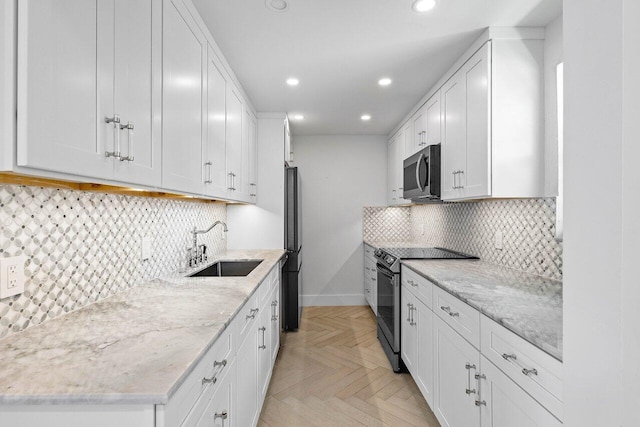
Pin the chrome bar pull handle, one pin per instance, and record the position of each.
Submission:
(453, 314)
(446, 309)
(264, 344)
(528, 372)
(413, 322)
(480, 403)
(129, 128)
(207, 167)
(116, 136)
(409, 314)
(506, 356)
(211, 380)
(222, 363)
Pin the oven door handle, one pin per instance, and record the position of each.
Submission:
(384, 271)
(418, 165)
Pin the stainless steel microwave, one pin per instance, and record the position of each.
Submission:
(422, 175)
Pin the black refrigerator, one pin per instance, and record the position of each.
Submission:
(292, 270)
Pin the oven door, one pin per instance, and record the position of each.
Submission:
(389, 305)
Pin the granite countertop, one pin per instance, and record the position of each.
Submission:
(526, 304)
(136, 347)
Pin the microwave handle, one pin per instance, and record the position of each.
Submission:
(418, 172)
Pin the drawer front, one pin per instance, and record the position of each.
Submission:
(536, 372)
(264, 290)
(191, 398)
(247, 316)
(463, 318)
(421, 287)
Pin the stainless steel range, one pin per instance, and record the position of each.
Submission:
(388, 266)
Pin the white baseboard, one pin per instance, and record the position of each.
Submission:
(333, 300)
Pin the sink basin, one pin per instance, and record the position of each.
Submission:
(228, 268)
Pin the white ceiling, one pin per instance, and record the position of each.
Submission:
(340, 48)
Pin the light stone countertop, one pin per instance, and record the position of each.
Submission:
(526, 304)
(136, 347)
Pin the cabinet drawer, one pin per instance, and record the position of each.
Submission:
(420, 286)
(265, 288)
(190, 399)
(247, 316)
(463, 318)
(535, 371)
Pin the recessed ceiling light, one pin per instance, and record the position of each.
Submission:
(298, 117)
(276, 5)
(384, 81)
(365, 117)
(293, 81)
(421, 6)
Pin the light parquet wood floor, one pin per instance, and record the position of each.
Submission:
(333, 372)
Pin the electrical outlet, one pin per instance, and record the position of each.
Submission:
(498, 240)
(11, 276)
(145, 249)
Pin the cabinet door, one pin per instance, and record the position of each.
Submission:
(404, 147)
(457, 362)
(419, 125)
(253, 158)
(138, 85)
(263, 329)
(408, 335)
(506, 404)
(247, 381)
(433, 119)
(214, 152)
(243, 187)
(65, 86)
(424, 360)
(221, 407)
(476, 176)
(391, 170)
(184, 65)
(454, 137)
(274, 333)
(234, 141)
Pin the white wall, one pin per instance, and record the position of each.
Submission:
(602, 281)
(552, 57)
(339, 175)
(261, 226)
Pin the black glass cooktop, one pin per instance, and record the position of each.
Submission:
(425, 253)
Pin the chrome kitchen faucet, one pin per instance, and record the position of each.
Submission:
(198, 254)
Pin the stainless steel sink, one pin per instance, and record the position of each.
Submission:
(228, 268)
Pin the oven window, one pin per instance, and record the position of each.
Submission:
(386, 300)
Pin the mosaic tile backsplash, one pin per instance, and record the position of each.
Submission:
(389, 224)
(85, 246)
(528, 227)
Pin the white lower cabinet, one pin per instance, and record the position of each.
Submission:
(457, 362)
(247, 381)
(471, 370)
(504, 404)
(370, 279)
(220, 411)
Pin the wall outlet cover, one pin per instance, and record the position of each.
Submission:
(12, 276)
(145, 249)
(498, 240)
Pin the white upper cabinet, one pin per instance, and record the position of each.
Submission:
(184, 104)
(466, 169)
(288, 148)
(434, 120)
(487, 112)
(214, 149)
(493, 139)
(88, 108)
(252, 173)
(419, 127)
(234, 142)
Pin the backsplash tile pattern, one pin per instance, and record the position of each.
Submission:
(528, 227)
(85, 246)
(390, 224)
